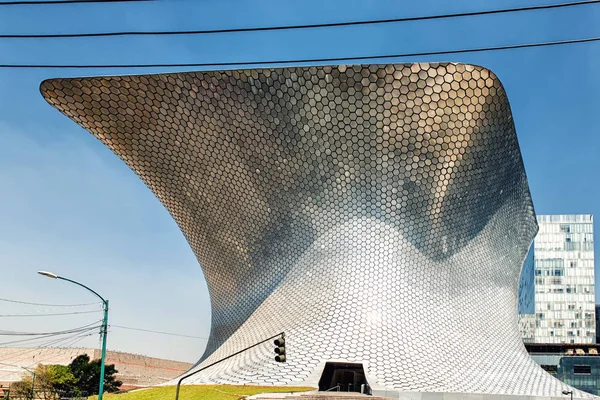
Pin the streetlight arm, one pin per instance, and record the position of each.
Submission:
(104, 325)
(104, 331)
(18, 366)
(83, 286)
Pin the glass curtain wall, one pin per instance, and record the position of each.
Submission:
(564, 279)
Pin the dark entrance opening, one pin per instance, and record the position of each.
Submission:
(343, 377)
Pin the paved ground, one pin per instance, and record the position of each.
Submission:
(313, 396)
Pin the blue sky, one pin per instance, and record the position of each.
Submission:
(70, 206)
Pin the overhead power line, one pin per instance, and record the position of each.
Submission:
(16, 333)
(50, 305)
(45, 337)
(74, 340)
(48, 314)
(25, 351)
(303, 60)
(55, 2)
(159, 332)
(295, 27)
(64, 342)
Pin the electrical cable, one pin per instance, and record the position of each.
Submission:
(67, 343)
(56, 343)
(94, 325)
(47, 315)
(159, 332)
(34, 350)
(305, 60)
(54, 2)
(29, 350)
(76, 340)
(50, 305)
(16, 333)
(2, 344)
(44, 337)
(53, 342)
(298, 27)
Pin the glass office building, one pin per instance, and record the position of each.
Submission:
(597, 327)
(582, 372)
(577, 365)
(564, 279)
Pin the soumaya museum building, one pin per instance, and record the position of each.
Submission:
(379, 215)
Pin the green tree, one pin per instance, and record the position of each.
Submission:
(62, 380)
(21, 389)
(81, 377)
(50, 382)
(87, 375)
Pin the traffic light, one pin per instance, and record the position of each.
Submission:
(280, 349)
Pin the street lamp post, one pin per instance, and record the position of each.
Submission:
(32, 379)
(32, 383)
(566, 392)
(104, 325)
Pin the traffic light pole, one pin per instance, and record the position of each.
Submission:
(282, 334)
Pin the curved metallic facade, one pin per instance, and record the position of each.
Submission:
(375, 213)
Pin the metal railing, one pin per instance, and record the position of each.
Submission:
(338, 387)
